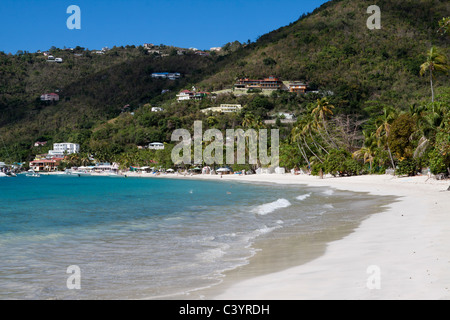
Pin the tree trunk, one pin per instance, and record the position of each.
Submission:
(304, 154)
(432, 90)
(304, 140)
(390, 155)
(318, 144)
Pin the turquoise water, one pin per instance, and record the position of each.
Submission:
(141, 238)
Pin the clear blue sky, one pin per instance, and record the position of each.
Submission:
(33, 25)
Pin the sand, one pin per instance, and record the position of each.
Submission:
(401, 253)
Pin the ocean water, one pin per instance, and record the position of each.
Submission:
(146, 238)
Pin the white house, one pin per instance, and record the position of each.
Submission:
(59, 60)
(65, 148)
(166, 75)
(157, 109)
(185, 95)
(156, 146)
(224, 108)
(50, 97)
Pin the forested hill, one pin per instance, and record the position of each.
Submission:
(331, 48)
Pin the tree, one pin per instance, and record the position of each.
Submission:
(368, 151)
(383, 124)
(436, 62)
(400, 135)
(321, 111)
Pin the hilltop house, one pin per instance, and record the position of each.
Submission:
(50, 97)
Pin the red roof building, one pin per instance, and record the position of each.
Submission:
(270, 83)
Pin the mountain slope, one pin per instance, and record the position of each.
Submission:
(331, 48)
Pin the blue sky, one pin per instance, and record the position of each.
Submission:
(33, 25)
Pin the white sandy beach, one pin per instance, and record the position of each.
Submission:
(409, 244)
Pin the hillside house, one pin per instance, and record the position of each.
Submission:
(40, 144)
(166, 75)
(65, 148)
(298, 87)
(224, 108)
(271, 83)
(156, 146)
(50, 97)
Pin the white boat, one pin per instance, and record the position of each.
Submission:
(2, 175)
(32, 174)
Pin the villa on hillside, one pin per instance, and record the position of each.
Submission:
(187, 95)
(224, 108)
(40, 143)
(271, 83)
(166, 75)
(50, 97)
(62, 149)
(156, 146)
(297, 86)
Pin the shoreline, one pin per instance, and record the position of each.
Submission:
(407, 243)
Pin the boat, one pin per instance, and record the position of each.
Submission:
(32, 174)
(2, 175)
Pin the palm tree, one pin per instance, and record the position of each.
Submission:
(369, 150)
(321, 111)
(383, 124)
(297, 136)
(305, 127)
(436, 62)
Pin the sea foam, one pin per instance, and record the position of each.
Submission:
(271, 207)
(303, 196)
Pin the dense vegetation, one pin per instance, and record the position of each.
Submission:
(383, 95)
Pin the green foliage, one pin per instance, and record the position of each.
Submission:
(338, 163)
(438, 163)
(407, 167)
(400, 136)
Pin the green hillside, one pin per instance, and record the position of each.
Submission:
(361, 73)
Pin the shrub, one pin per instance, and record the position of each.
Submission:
(407, 167)
(437, 163)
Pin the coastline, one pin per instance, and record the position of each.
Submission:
(408, 243)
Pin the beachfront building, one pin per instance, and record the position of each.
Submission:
(271, 83)
(224, 108)
(156, 146)
(298, 87)
(63, 149)
(45, 165)
(166, 75)
(50, 97)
